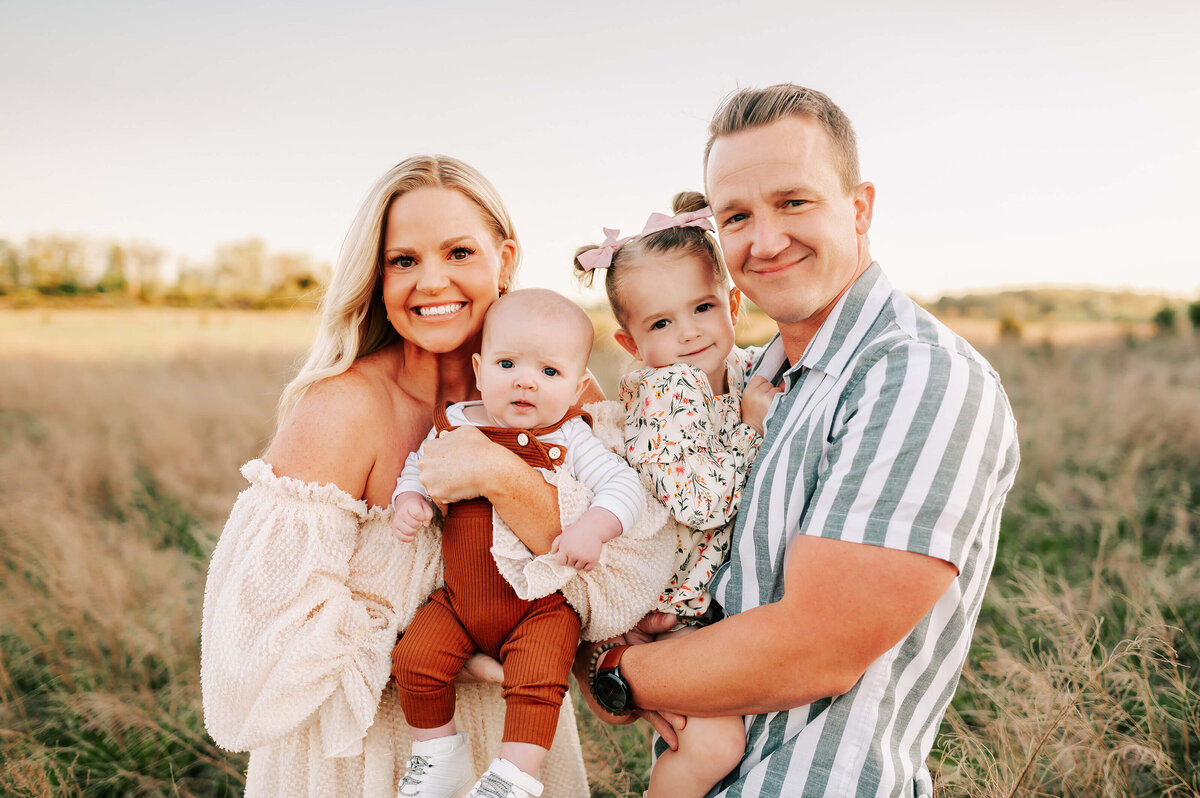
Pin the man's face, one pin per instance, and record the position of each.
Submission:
(793, 238)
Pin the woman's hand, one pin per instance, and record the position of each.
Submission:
(444, 466)
(464, 464)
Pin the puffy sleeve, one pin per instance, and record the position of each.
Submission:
(306, 592)
(692, 450)
(633, 567)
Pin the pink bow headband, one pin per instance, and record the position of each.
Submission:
(601, 257)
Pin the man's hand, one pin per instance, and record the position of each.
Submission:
(410, 512)
(667, 724)
(756, 401)
(580, 543)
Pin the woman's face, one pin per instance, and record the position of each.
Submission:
(442, 267)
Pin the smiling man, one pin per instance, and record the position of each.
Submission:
(869, 522)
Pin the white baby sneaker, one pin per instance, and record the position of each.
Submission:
(438, 768)
(503, 779)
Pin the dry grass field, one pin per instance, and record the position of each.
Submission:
(121, 433)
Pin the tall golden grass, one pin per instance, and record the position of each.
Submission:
(120, 440)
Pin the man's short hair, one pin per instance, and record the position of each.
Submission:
(748, 108)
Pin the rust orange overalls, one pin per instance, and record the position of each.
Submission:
(477, 610)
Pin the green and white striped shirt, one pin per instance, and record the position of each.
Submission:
(891, 431)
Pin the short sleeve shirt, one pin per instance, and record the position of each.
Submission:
(891, 431)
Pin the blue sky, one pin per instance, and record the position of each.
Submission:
(1009, 144)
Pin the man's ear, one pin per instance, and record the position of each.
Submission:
(735, 303)
(626, 342)
(864, 207)
(476, 362)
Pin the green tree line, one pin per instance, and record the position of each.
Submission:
(244, 274)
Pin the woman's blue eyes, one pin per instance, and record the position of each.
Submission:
(405, 262)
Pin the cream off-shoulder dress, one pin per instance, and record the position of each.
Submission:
(307, 591)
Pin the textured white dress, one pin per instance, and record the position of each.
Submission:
(307, 591)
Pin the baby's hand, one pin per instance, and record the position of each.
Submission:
(410, 512)
(756, 400)
(580, 543)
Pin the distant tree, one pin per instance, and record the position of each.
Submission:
(113, 281)
(143, 270)
(1194, 315)
(1164, 320)
(1010, 328)
(10, 268)
(55, 264)
(241, 268)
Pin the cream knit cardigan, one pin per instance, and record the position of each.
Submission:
(307, 591)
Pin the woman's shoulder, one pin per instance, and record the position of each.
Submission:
(332, 435)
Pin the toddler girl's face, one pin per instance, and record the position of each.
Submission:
(677, 312)
(531, 372)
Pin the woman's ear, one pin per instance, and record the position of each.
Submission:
(735, 303)
(508, 265)
(626, 342)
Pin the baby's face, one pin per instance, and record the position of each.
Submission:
(530, 372)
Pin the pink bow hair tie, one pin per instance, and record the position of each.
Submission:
(601, 257)
(660, 221)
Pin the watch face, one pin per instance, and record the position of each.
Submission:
(612, 692)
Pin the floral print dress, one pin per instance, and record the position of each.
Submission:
(693, 451)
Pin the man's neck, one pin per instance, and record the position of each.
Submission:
(797, 336)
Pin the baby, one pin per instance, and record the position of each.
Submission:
(530, 373)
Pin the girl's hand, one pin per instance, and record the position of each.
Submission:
(756, 401)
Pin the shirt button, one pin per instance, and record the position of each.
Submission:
(523, 439)
(554, 452)
(443, 433)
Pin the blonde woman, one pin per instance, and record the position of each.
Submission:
(308, 589)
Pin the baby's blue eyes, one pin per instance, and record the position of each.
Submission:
(505, 363)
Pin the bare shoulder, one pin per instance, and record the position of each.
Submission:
(332, 435)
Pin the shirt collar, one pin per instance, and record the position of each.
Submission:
(840, 334)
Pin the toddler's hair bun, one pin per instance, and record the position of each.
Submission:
(584, 275)
(688, 202)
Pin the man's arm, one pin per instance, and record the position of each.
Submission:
(845, 605)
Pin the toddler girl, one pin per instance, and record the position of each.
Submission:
(692, 428)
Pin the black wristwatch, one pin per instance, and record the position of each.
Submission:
(608, 685)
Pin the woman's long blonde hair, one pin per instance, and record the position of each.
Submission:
(354, 321)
